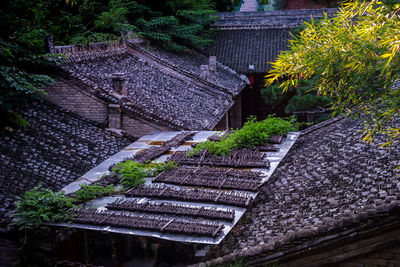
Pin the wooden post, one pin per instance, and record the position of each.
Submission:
(192, 251)
(53, 236)
(85, 246)
(114, 251)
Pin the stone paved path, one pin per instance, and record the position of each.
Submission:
(249, 5)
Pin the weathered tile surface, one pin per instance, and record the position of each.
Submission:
(329, 176)
(165, 88)
(197, 188)
(56, 148)
(248, 41)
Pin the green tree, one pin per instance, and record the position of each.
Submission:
(174, 25)
(355, 56)
(300, 98)
(22, 61)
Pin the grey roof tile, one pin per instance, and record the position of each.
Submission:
(56, 148)
(257, 38)
(163, 87)
(329, 179)
(241, 48)
(270, 19)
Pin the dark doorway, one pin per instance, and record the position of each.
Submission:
(253, 103)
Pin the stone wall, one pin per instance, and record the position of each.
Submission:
(68, 96)
(139, 128)
(63, 94)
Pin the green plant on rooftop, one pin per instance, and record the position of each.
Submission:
(88, 192)
(356, 57)
(253, 133)
(40, 205)
(239, 262)
(133, 174)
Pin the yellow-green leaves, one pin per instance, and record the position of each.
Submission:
(356, 57)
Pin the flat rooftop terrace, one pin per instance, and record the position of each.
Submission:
(199, 202)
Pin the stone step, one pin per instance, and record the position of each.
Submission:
(249, 5)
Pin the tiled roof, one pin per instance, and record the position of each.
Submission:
(188, 63)
(329, 179)
(163, 87)
(248, 41)
(198, 204)
(241, 49)
(269, 19)
(55, 149)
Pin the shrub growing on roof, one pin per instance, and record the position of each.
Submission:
(133, 174)
(40, 205)
(253, 133)
(88, 192)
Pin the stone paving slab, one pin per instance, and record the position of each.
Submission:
(249, 6)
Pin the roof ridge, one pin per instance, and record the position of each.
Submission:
(270, 19)
(276, 12)
(258, 27)
(79, 52)
(322, 125)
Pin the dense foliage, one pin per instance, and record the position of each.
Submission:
(253, 133)
(181, 22)
(88, 192)
(356, 57)
(173, 24)
(133, 174)
(296, 98)
(40, 205)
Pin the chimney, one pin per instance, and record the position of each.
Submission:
(49, 44)
(212, 64)
(119, 83)
(114, 116)
(205, 73)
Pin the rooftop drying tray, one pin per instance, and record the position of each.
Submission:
(162, 208)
